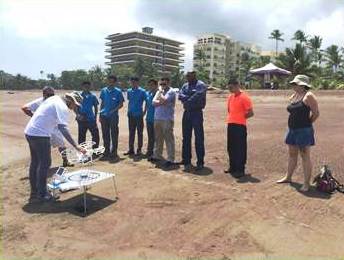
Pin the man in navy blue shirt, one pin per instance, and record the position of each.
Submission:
(111, 101)
(136, 97)
(152, 88)
(86, 115)
(193, 97)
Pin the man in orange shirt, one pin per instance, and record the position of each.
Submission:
(239, 107)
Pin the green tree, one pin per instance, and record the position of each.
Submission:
(314, 44)
(300, 36)
(202, 73)
(177, 78)
(97, 77)
(276, 35)
(296, 60)
(333, 57)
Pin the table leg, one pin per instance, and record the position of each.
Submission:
(115, 187)
(85, 203)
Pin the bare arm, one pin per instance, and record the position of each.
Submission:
(249, 113)
(311, 101)
(27, 111)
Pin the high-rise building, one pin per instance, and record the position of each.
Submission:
(221, 55)
(125, 48)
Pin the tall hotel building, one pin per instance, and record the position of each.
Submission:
(125, 48)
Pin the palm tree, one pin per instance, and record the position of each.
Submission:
(314, 44)
(300, 36)
(276, 35)
(296, 60)
(333, 57)
(200, 55)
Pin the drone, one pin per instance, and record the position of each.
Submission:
(77, 157)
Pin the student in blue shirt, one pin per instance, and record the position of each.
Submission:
(136, 97)
(193, 97)
(86, 115)
(152, 88)
(111, 101)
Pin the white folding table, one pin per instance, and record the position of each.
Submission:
(81, 179)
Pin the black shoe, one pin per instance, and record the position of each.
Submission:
(199, 167)
(105, 157)
(168, 164)
(149, 154)
(138, 153)
(114, 157)
(238, 174)
(227, 170)
(46, 198)
(188, 167)
(66, 163)
(129, 153)
(152, 159)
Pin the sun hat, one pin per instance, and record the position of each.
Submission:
(301, 80)
(75, 96)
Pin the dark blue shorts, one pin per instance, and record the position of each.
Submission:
(300, 137)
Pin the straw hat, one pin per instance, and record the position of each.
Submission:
(75, 96)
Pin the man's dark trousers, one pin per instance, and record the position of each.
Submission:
(193, 120)
(237, 147)
(110, 133)
(150, 133)
(40, 150)
(135, 122)
(83, 126)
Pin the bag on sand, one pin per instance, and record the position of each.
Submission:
(325, 182)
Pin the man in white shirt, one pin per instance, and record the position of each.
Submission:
(164, 102)
(52, 113)
(56, 138)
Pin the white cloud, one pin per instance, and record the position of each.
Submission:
(330, 28)
(63, 19)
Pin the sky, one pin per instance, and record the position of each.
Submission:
(56, 35)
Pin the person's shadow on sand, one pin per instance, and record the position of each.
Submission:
(312, 193)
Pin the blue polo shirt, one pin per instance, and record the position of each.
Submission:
(88, 102)
(136, 97)
(111, 98)
(150, 107)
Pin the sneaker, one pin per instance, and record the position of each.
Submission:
(129, 153)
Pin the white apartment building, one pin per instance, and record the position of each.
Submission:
(222, 55)
(125, 48)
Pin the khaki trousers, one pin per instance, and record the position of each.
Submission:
(163, 130)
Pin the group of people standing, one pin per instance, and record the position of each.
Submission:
(156, 103)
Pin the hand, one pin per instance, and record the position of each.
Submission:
(81, 149)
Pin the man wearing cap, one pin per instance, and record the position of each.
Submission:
(111, 101)
(193, 97)
(52, 113)
(56, 138)
(86, 115)
(136, 97)
(239, 108)
(164, 102)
